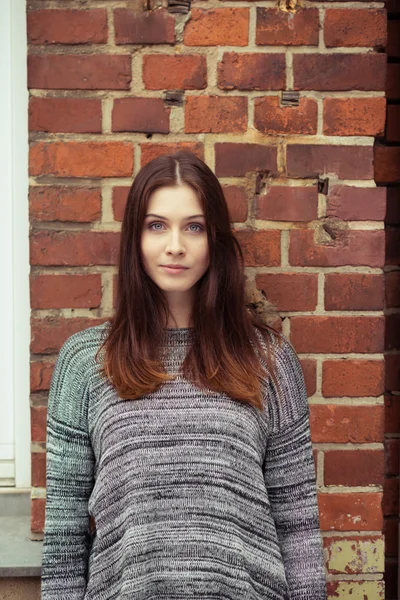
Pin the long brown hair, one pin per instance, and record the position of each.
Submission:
(224, 353)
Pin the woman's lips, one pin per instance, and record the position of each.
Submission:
(174, 270)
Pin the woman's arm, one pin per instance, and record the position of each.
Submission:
(69, 476)
(290, 479)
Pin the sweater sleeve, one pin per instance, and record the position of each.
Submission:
(290, 479)
(69, 476)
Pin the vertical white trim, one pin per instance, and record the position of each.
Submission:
(20, 232)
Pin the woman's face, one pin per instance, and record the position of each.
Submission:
(174, 233)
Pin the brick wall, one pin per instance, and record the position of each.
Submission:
(115, 83)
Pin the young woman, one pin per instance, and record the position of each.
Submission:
(179, 458)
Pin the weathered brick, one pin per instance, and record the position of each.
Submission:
(387, 164)
(65, 291)
(354, 291)
(337, 334)
(74, 248)
(40, 376)
(274, 28)
(356, 27)
(38, 469)
(66, 115)
(150, 151)
(342, 424)
(62, 203)
(351, 203)
(393, 123)
(290, 291)
(238, 159)
(359, 511)
(49, 334)
(79, 71)
(217, 27)
(270, 117)
(67, 26)
(174, 72)
(287, 203)
(237, 201)
(251, 71)
(146, 27)
(392, 289)
(119, 198)
(144, 115)
(350, 247)
(38, 423)
(354, 116)
(339, 72)
(215, 114)
(260, 248)
(356, 590)
(37, 514)
(347, 162)
(309, 367)
(81, 159)
(355, 554)
(392, 372)
(354, 378)
(392, 452)
(353, 467)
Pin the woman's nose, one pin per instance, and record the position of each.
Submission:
(175, 242)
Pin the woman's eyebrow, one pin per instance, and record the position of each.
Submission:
(165, 218)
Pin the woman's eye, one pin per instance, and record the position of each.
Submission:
(199, 227)
(153, 224)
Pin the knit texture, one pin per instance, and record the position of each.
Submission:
(194, 495)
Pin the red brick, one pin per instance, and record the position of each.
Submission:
(390, 505)
(391, 533)
(215, 114)
(79, 71)
(289, 291)
(270, 117)
(354, 116)
(67, 26)
(174, 72)
(354, 291)
(392, 338)
(338, 334)
(38, 506)
(40, 376)
(38, 469)
(260, 248)
(359, 511)
(237, 201)
(238, 159)
(309, 368)
(393, 81)
(392, 216)
(251, 71)
(144, 115)
(353, 467)
(61, 203)
(344, 27)
(392, 245)
(392, 372)
(81, 159)
(66, 115)
(74, 248)
(353, 378)
(347, 162)
(38, 423)
(287, 203)
(393, 123)
(392, 413)
(339, 72)
(392, 451)
(146, 27)
(346, 424)
(119, 199)
(393, 38)
(150, 151)
(65, 291)
(49, 334)
(392, 289)
(351, 203)
(350, 247)
(387, 164)
(275, 27)
(217, 27)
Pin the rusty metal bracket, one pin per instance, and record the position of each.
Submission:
(290, 98)
(323, 186)
(173, 98)
(179, 6)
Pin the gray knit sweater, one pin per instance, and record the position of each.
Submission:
(194, 495)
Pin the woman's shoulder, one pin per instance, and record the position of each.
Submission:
(278, 345)
(79, 351)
